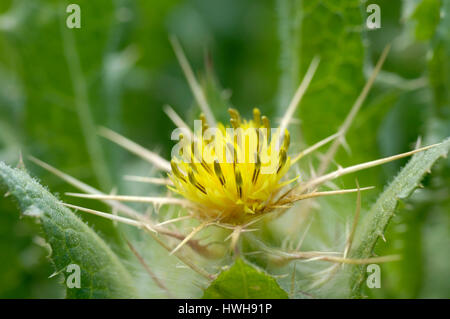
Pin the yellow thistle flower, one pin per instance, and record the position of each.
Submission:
(230, 180)
(235, 174)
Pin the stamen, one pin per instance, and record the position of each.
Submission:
(195, 183)
(235, 118)
(266, 125)
(193, 167)
(233, 151)
(197, 160)
(181, 142)
(257, 131)
(219, 173)
(257, 117)
(204, 122)
(283, 158)
(176, 171)
(238, 178)
(257, 169)
(193, 152)
(287, 140)
(206, 166)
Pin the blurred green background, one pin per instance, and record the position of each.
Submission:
(58, 85)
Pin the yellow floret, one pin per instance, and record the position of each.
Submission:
(234, 174)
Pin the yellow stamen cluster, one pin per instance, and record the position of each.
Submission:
(234, 173)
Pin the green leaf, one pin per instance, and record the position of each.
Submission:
(289, 28)
(404, 278)
(243, 281)
(72, 242)
(331, 30)
(439, 64)
(381, 213)
(427, 16)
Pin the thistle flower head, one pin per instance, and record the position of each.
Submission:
(231, 173)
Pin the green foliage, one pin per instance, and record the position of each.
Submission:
(427, 14)
(331, 30)
(72, 242)
(335, 32)
(383, 210)
(243, 281)
(289, 16)
(57, 85)
(439, 64)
